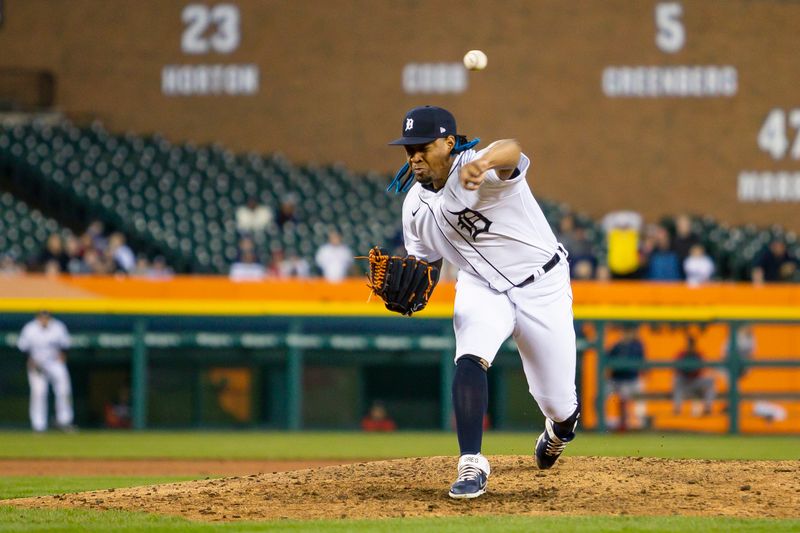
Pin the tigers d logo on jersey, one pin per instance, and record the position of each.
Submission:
(472, 221)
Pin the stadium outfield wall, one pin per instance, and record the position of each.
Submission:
(205, 350)
(657, 106)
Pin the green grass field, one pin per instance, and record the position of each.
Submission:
(13, 520)
(356, 445)
(334, 445)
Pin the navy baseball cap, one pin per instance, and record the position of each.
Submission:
(425, 124)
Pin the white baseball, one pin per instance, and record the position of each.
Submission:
(475, 60)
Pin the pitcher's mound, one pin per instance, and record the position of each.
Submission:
(418, 487)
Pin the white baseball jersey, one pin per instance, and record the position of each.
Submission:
(497, 232)
(44, 344)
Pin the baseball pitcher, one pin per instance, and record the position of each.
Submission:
(475, 209)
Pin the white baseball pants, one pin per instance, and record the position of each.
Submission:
(539, 316)
(56, 374)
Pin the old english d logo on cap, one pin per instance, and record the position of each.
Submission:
(424, 124)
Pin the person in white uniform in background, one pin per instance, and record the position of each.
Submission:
(334, 258)
(476, 210)
(45, 340)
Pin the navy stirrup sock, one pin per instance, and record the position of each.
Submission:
(564, 429)
(470, 401)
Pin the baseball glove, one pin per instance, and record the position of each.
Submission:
(404, 283)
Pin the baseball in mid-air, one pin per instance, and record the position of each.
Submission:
(475, 60)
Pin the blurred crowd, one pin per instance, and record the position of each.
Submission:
(333, 260)
(93, 252)
(623, 246)
(635, 250)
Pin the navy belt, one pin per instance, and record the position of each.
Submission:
(547, 267)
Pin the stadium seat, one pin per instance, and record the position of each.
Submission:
(23, 231)
(179, 200)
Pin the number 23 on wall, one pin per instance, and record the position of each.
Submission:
(210, 29)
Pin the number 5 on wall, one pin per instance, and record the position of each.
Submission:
(670, 33)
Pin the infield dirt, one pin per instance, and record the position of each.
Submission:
(418, 487)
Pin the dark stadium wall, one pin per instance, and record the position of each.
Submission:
(323, 81)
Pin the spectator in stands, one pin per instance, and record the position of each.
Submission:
(294, 266)
(622, 233)
(159, 269)
(698, 266)
(288, 211)
(584, 270)
(581, 258)
(97, 263)
(253, 217)
(378, 419)
(96, 235)
(142, 267)
(9, 265)
(566, 232)
(93, 253)
(117, 413)
(84, 244)
(247, 268)
(662, 261)
(584, 253)
(602, 273)
(75, 263)
(690, 381)
(775, 264)
(53, 251)
(120, 253)
(52, 268)
(246, 244)
(684, 240)
(155, 270)
(626, 382)
(334, 258)
(273, 269)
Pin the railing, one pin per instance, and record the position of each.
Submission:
(733, 364)
(295, 345)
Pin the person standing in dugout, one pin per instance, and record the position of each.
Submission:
(475, 209)
(45, 340)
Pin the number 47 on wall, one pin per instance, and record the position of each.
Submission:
(773, 137)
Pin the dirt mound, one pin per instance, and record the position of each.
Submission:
(418, 487)
(151, 467)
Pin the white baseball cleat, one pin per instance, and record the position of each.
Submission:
(473, 475)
